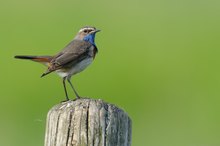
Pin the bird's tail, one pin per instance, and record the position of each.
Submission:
(41, 59)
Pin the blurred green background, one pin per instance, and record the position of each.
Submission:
(158, 60)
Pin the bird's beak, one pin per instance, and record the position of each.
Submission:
(98, 30)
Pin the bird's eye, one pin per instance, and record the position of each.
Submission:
(85, 31)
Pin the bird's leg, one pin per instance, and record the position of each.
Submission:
(64, 85)
(77, 95)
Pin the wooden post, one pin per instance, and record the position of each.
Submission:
(87, 122)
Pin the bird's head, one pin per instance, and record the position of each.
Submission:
(87, 33)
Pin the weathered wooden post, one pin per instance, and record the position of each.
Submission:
(87, 122)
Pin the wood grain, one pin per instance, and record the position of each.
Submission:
(87, 122)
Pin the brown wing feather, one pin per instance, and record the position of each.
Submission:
(74, 52)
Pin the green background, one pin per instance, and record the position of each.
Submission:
(158, 60)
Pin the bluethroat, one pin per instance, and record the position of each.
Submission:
(74, 58)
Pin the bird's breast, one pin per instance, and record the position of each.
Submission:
(81, 65)
(76, 68)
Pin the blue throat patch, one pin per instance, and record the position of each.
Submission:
(90, 38)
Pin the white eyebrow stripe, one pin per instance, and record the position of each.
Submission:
(82, 29)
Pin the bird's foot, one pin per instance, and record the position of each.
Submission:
(78, 97)
(64, 101)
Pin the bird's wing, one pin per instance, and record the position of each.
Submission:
(73, 53)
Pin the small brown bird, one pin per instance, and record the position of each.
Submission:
(74, 58)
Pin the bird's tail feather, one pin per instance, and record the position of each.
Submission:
(41, 59)
(46, 73)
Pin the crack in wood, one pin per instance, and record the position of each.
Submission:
(58, 119)
(69, 126)
(106, 122)
(87, 123)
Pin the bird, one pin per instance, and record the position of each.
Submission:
(72, 59)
